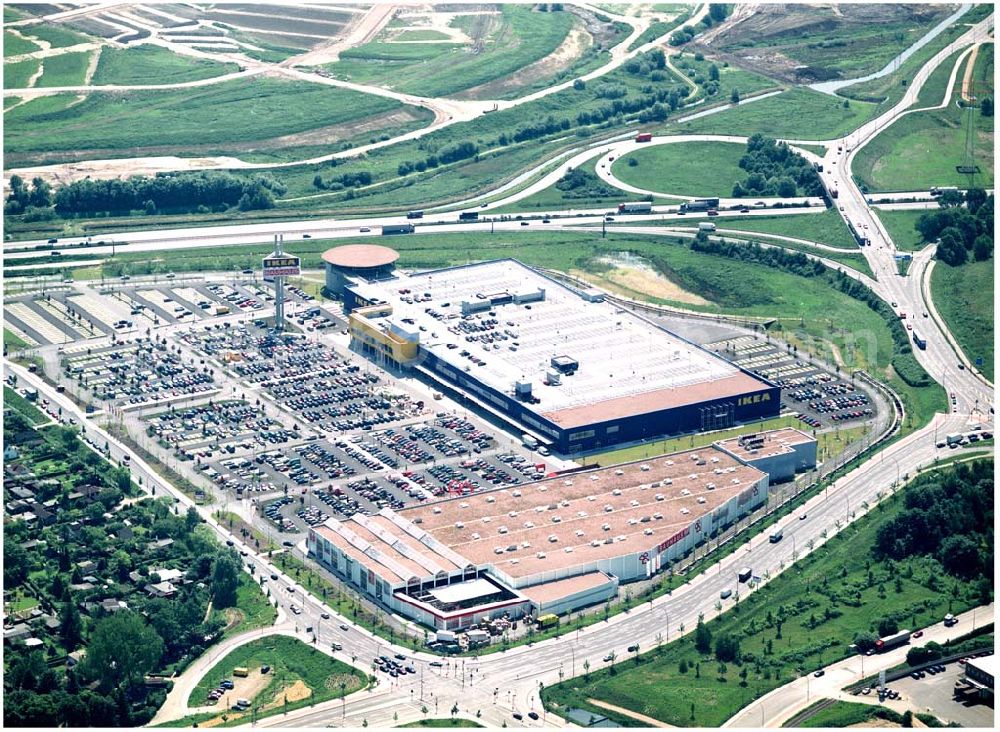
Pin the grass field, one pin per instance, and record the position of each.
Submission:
(451, 722)
(797, 113)
(846, 714)
(521, 37)
(17, 75)
(57, 36)
(67, 69)
(730, 77)
(900, 225)
(825, 599)
(220, 117)
(292, 663)
(12, 399)
(148, 64)
(14, 45)
(922, 149)
(964, 296)
(685, 169)
(932, 92)
(12, 340)
(253, 610)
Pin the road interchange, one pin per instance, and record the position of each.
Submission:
(556, 659)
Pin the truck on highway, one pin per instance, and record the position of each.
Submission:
(834, 193)
(700, 204)
(706, 226)
(892, 641)
(775, 536)
(636, 207)
(745, 574)
(644, 137)
(920, 342)
(938, 190)
(414, 214)
(390, 229)
(954, 439)
(468, 216)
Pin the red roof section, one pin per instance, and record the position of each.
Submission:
(360, 255)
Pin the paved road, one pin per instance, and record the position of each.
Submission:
(781, 704)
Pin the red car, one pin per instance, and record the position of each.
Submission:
(918, 634)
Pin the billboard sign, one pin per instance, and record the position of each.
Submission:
(281, 266)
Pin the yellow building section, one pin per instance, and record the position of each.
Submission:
(371, 331)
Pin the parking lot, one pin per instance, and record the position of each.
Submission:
(207, 431)
(934, 693)
(820, 397)
(136, 373)
(325, 390)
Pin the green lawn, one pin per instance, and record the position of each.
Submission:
(964, 298)
(17, 75)
(730, 77)
(798, 113)
(932, 92)
(521, 37)
(848, 714)
(67, 69)
(290, 660)
(252, 608)
(14, 45)
(822, 225)
(901, 227)
(450, 722)
(421, 35)
(218, 117)
(13, 340)
(12, 399)
(683, 169)
(57, 36)
(923, 149)
(825, 598)
(148, 64)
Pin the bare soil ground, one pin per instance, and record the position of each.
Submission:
(295, 692)
(970, 67)
(875, 723)
(628, 281)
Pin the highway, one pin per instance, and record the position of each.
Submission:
(516, 673)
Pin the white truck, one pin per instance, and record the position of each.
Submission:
(706, 226)
(528, 441)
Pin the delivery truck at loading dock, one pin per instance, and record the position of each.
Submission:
(637, 207)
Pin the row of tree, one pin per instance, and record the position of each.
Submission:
(171, 193)
(22, 197)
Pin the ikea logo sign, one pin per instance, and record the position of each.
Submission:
(754, 399)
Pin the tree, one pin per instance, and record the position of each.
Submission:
(727, 647)
(907, 720)
(586, 668)
(786, 187)
(15, 561)
(225, 579)
(986, 107)
(864, 641)
(41, 193)
(579, 84)
(713, 72)
(734, 96)
(150, 207)
(951, 249)
(982, 248)
(702, 638)
(122, 650)
(717, 11)
(454, 709)
(70, 625)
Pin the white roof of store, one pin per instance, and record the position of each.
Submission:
(621, 356)
(464, 591)
(986, 664)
